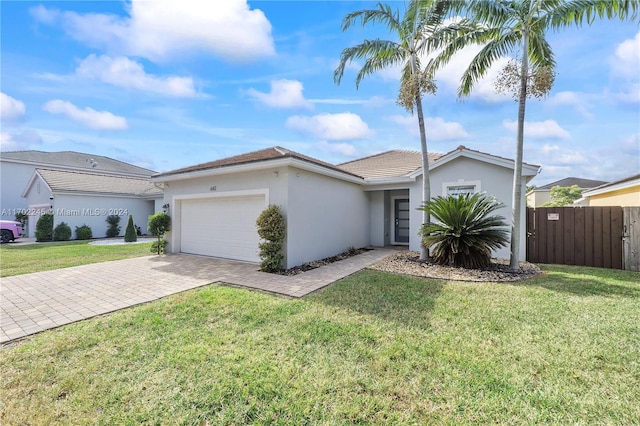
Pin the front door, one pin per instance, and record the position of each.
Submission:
(401, 214)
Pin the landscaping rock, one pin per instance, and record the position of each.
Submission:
(409, 263)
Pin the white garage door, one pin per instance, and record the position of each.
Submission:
(222, 227)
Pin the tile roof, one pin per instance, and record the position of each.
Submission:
(570, 181)
(395, 163)
(617, 182)
(272, 153)
(62, 180)
(76, 160)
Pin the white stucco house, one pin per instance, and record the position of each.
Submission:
(78, 188)
(372, 201)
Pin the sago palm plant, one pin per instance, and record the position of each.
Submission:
(464, 230)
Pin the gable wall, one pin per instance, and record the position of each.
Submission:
(495, 180)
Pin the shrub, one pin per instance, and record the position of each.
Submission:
(83, 232)
(44, 227)
(114, 226)
(158, 225)
(159, 246)
(272, 229)
(130, 234)
(465, 232)
(62, 232)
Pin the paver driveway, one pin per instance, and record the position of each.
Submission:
(35, 302)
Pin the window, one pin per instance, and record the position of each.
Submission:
(461, 187)
(461, 190)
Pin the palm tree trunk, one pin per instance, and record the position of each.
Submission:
(517, 170)
(426, 182)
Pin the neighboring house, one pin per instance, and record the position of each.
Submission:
(371, 201)
(624, 192)
(538, 196)
(84, 198)
(17, 169)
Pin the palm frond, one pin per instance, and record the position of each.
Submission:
(383, 15)
(465, 230)
(377, 53)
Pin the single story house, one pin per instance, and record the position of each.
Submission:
(329, 208)
(624, 192)
(17, 169)
(84, 198)
(538, 196)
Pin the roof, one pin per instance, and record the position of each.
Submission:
(627, 182)
(62, 180)
(262, 155)
(395, 163)
(76, 160)
(570, 181)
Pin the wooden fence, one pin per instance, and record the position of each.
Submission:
(604, 237)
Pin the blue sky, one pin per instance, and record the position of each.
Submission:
(170, 84)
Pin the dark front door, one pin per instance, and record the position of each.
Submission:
(401, 213)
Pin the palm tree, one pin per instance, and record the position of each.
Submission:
(466, 230)
(412, 31)
(504, 26)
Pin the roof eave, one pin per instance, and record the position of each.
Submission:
(260, 165)
(611, 188)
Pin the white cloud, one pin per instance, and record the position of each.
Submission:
(576, 100)
(630, 96)
(103, 120)
(19, 142)
(548, 129)
(437, 129)
(626, 60)
(339, 148)
(158, 30)
(342, 126)
(283, 94)
(124, 72)
(372, 102)
(450, 75)
(11, 109)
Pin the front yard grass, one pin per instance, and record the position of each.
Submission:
(374, 348)
(24, 259)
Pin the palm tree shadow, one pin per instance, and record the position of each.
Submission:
(582, 281)
(407, 301)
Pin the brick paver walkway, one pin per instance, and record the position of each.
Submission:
(35, 302)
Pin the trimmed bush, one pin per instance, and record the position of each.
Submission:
(158, 225)
(465, 232)
(272, 229)
(83, 232)
(130, 234)
(62, 232)
(159, 246)
(114, 226)
(44, 227)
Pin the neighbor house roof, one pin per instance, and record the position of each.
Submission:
(624, 183)
(395, 163)
(75, 160)
(273, 153)
(72, 181)
(570, 181)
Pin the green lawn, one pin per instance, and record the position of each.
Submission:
(374, 348)
(23, 259)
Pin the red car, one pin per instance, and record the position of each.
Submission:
(10, 230)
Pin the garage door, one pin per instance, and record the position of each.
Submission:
(222, 227)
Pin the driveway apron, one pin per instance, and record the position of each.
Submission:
(35, 302)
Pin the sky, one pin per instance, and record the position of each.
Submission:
(169, 84)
